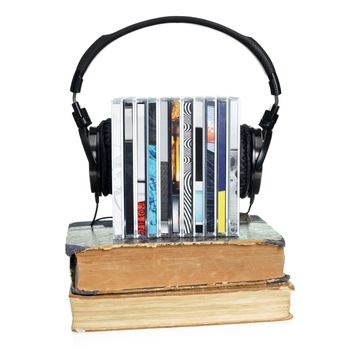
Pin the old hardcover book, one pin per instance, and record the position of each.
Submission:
(238, 303)
(101, 265)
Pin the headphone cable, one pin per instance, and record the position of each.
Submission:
(97, 200)
(250, 203)
(94, 220)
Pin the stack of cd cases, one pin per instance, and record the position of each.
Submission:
(175, 167)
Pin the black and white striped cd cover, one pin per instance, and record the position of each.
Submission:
(175, 167)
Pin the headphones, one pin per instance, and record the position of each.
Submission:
(97, 140)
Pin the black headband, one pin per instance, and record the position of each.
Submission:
(105, 40)
(81, 115)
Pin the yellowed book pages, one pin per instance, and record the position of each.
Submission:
(188, 307)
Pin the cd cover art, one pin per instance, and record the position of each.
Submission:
(141, 169)
(187, 168)
(152, 170)
(164, 167)
(199, 156)
(175, 164)
(210, 168)
(128, 170)
(221, 169)
(117, 168)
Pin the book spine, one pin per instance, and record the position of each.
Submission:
(117, 169)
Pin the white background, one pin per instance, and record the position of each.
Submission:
(44, 173)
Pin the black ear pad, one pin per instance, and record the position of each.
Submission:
(104, 157)
(245, 160)
(108, 150)
(93, 167)
(257, 143)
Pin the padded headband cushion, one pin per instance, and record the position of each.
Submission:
(245, 160)
(105, 157)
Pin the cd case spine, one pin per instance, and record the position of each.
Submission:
(141, 207)
(233, 166)
(117, 169)
(187, 167)
(152, 169)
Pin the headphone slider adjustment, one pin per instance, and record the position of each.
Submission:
(81, 116)
(269, 118)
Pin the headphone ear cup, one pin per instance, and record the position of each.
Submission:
(255, 181)
(93, 167)
(245, 160)
(104, 157)
(108, 149)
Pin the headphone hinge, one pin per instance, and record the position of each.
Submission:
(269, 118)
(81, 116)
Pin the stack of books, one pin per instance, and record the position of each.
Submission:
(165, 282)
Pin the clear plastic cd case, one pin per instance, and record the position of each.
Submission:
(175, 167)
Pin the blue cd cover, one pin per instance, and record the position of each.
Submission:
(152, 171)
(210, 167)
(221, 169)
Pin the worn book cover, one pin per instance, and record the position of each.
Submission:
(100, 264)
